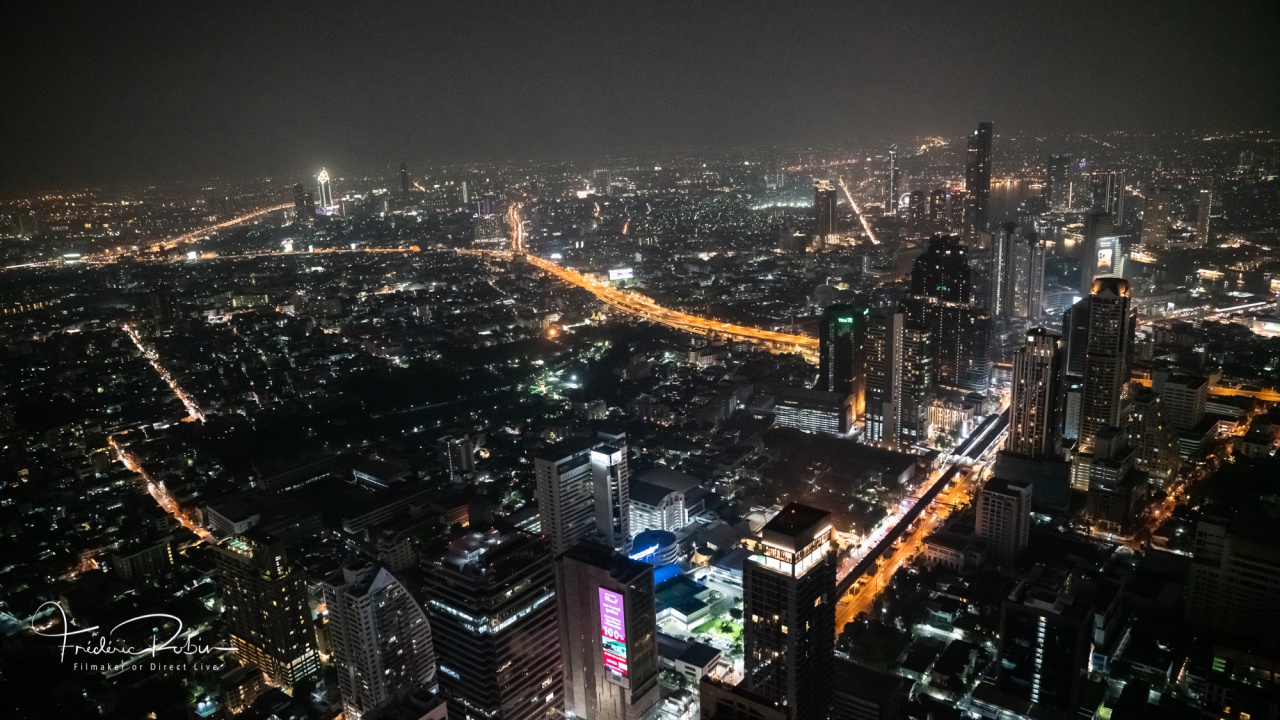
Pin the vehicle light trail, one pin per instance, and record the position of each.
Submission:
(193, 410)
(643, 307)
(866, 226)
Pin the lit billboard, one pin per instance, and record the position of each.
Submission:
(613, 631)
(621, 274)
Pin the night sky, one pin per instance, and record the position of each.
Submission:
(103, 92)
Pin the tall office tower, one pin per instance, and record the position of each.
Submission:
(1203, 211)
(266, 610)
(1184, 396)
(164, 303)
(1004, 517)
(611, 481)
(1153, 438)
(942, 271)
(301, 204)
(1235, 579)
(1075, 342)
(1108, 359)
(977, 181)
(404, 182)
(916, 210)
(1059, 185)
(1037, 386)
(608, 635)
(326, 191)
(972, 363)
(842, 353)
(824, 208)
(491, 599)
(1107, 194)
(884, 377)
(380, 635)
(1103, 254)
(603, 182)
(565, 494)
(1045, 633)
(788, 592)
(1017, 274)
(891, 202)
(938, 205)
(1155, 220)
(466, 198)
(999, 300)
(916, 377)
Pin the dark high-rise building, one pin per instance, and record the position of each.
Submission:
(1155, 220)
(938, 204)
(977, 181)
(1153, 437)
(842, 361)
(1075, 341)
(381, 639)
(1037, 387)
(891, 202)
(1107, 191)
(266, 609)
(789, 612)
(1108, 359)
(861, 693)
(566, 504)
(1059, 185)
(404, 182)
(1045, 633)
(884, 377)
(917, 210)
(1017, 274)
(942, 271)
(1003, 518)
(164, 303)
(1103, 254)
(491, 599)
(1204, 210)
(824, 209)
(608, 634)
(304, 204)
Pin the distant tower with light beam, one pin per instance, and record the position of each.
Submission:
(326, 191)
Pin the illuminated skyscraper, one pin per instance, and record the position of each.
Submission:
(492, 602)
(1107, 190)
(1037, 387)
(977, 181)
(564, 491)
(1103, 253)
(611, 480)
(891, 203)
(266, 610)
(1203, 212)
(1155, 220)
(608, 635)
(1108, 359)
(842, 355)
(1017, 274)
(1004, 517)
(404, 182)
(325, 196)
(381, 639)
(884, 377)
(824, 208)
(1059, 185)
(789, 612)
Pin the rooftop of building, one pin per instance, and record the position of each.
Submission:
(796, 519)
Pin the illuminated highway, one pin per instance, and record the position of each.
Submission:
(633, 303)
(954, 486)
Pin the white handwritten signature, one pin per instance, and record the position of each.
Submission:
(102, 648)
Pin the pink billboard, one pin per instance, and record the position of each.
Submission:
(613, 631)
